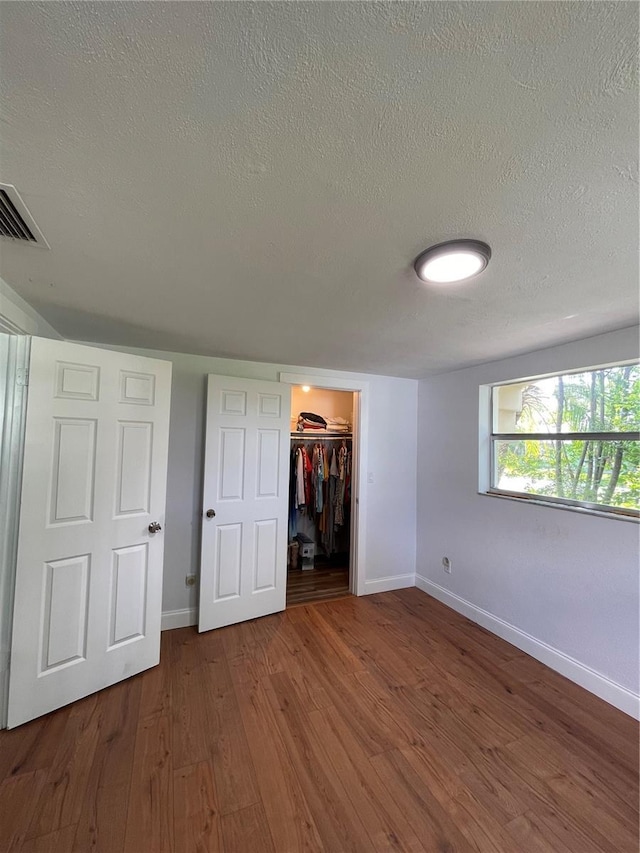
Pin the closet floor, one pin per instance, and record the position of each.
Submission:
(318, 584)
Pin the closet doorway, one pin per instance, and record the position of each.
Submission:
(322, 494)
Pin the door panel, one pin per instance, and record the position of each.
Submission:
(268, 465)
(128, 593)
(73, 470)
(89, 572)
(244, 544)
(266, 536)
(229, 560)
(232, 457)
(64, 615)
(138, 389)
(77, 381)
(135, 447)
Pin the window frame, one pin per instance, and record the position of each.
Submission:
(488, 463)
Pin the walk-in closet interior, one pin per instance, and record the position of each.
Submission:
(320, 494)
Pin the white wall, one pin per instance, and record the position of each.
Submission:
(391, 499)
(565, 579)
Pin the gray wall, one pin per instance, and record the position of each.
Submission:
(568, 580)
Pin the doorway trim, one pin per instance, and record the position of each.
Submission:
(13, 399)
(360, 388)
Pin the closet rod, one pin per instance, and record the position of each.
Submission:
(324, 436)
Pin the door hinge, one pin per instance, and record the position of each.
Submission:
(22, 376)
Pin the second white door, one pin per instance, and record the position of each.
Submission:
(243, 570)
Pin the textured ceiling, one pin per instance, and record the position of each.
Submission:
(253, 179)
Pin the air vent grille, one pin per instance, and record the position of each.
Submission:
(11, 223)
(16, 222)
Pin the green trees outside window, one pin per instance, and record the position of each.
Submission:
(573, 437)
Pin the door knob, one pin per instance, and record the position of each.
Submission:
(210, 513)
(154, 527)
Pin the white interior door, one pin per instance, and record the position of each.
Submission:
(243, 570)
(88, 592)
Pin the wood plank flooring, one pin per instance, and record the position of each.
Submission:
(386, 723)
(318, 584)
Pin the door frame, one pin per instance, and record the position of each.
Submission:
(360, 389)
(20, 321)
(14, 396)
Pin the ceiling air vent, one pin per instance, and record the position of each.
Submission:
(16, 222)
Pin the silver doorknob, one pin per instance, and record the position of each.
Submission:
(210, 513)
(154, 527)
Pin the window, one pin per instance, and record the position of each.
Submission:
(571, 439)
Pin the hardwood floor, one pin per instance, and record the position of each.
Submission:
(386, 723)
(318, 584)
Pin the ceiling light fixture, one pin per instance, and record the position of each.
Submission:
(306, 389)
(454, 260)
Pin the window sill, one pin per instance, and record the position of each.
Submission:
(601, 513)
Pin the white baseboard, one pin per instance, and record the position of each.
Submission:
(613, 693)
(179, 618)
(388, 583)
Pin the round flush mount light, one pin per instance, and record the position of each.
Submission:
(454, 260)
(306, 388)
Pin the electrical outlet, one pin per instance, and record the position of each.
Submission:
(446, 565)
(190, 580)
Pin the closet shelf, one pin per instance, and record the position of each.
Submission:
(322, 435)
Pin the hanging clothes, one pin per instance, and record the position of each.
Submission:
(318, 477)
(347, 489)
(341, 482)
(308, 479)
(319, 483)
(342, 461)
(329, 541)
(323, 520)
(293, 504)
(333, 470)
(300, 491)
